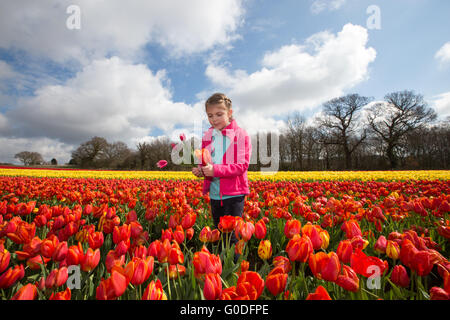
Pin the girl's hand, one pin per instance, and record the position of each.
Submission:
(208, 170)
(197, 172)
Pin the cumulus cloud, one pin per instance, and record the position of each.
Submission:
(443, 54)
(319, 6)
(299, 77)
(441, 104)
(111, 98)
(112, 28)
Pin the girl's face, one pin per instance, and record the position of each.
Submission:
(218, 116)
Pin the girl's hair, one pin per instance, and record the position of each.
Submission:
(218, 98)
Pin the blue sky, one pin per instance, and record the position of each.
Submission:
(137, 71)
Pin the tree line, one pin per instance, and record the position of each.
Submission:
(353, 132)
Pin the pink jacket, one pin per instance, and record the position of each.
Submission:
(236, 159)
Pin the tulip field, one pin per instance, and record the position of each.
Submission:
(86, 235)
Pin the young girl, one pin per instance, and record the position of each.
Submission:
(230, 148)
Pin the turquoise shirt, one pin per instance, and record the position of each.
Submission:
(220, 144)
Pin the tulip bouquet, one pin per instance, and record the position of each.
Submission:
(152, 239)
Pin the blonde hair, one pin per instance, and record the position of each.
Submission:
(218, 98)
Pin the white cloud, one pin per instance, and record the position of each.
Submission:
(48, 148)
(441, 104)
(319, 6)
(443, 54)
(110, 98)
(115, 28)
(299, 77)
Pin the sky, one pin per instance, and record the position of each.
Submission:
(137, 70)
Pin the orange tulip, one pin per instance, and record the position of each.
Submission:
(282, 262)
(48, 246)
(62, 295)
(11, 276)
(245, 230)
(299, 249)
(320, 294)
(154, 291)
(205, 234)
(250, 285)
(351, 228)
(27, 292)
(213, 286)
(5, 257)
(204, 262)
(113, 287)
(90, 259)
(276, 281)
(175, 256)
(265, 249)
(203, 156)
(175, 270)
(139, 270)
(178, 234)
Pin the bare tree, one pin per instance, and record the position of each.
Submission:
(29, 158)
(341, 124)
(401, 113)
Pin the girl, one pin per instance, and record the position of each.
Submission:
(230, 148)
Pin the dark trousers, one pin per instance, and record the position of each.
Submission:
(227, 207)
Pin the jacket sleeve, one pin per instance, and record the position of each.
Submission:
(241, 158)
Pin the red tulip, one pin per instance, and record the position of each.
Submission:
(175, 270)
(276, 281)
(422, 263)
(437, 293)
(56, 278)
(213, 286)
(227, 223)
(95, 239)
(60, 251)
(176, 256)
(74, 255)
(399, 276)
(351, 228)
(27, 292)
(260, 229)
(320, 294)
(205, 234)
(188, 220)
(178, 234)
(312, 231)
(292, 227)
(363, 264)
(348, 279)
(345, 251)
